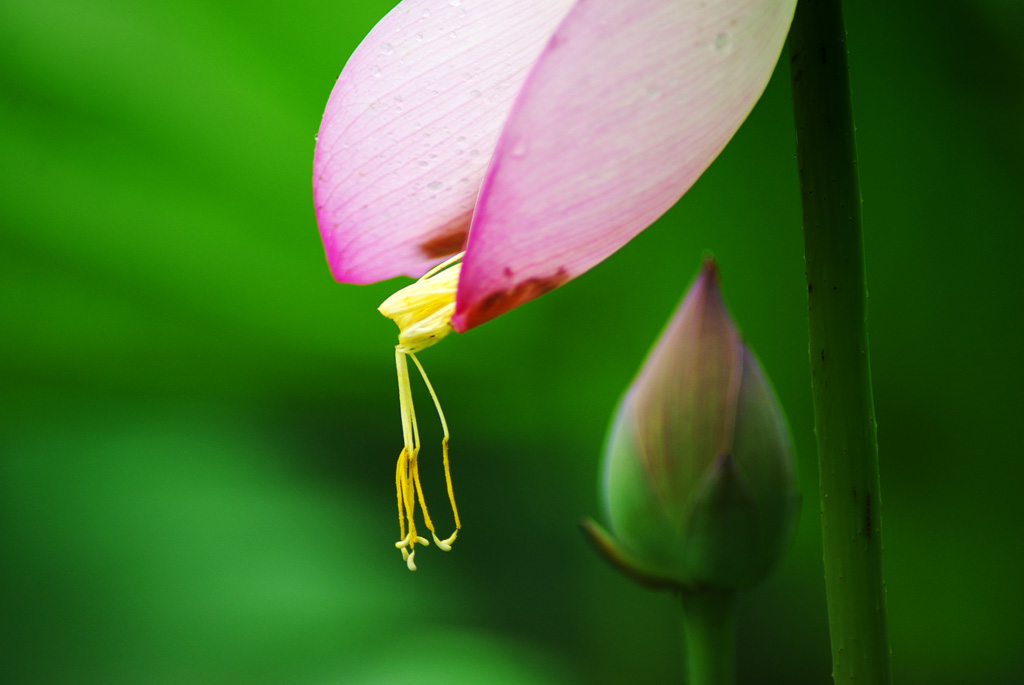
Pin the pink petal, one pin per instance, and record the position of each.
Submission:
(410, 126)
(626, 107)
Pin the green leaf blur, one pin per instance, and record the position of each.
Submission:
(199, 427)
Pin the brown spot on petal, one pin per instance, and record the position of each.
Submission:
(448, 239)
(501, 301)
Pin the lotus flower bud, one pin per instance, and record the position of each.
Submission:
(699, 477)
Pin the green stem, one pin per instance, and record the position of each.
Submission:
(709, 628)
(841, 376)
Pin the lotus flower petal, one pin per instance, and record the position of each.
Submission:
(625, 108)
(410, 127)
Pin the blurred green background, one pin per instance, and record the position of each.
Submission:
(199, 427)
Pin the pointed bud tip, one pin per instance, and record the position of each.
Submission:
(709, 269)
(708, 284)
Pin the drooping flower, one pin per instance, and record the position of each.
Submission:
(699, 479)
(535, 136)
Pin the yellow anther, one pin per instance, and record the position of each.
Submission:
(423, 312)
(410, 559)
(406, 541)
(445, 545)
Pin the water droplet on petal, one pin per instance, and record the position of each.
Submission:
(375, 71)
(519, 149)
(426, 13)
(424, 162)
(436, 185)
(387, 48)
(454, 3)
(722, 42)
(475, 93)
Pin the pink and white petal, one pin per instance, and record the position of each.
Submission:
(626, 107)
(411, 125)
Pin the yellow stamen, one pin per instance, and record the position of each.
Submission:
(423, 312)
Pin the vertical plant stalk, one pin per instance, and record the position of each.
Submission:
(709, 629)
(837, 315)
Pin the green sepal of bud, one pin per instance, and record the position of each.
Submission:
(722, 528)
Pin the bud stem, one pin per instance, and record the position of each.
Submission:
(709, 628)
(837, 316)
